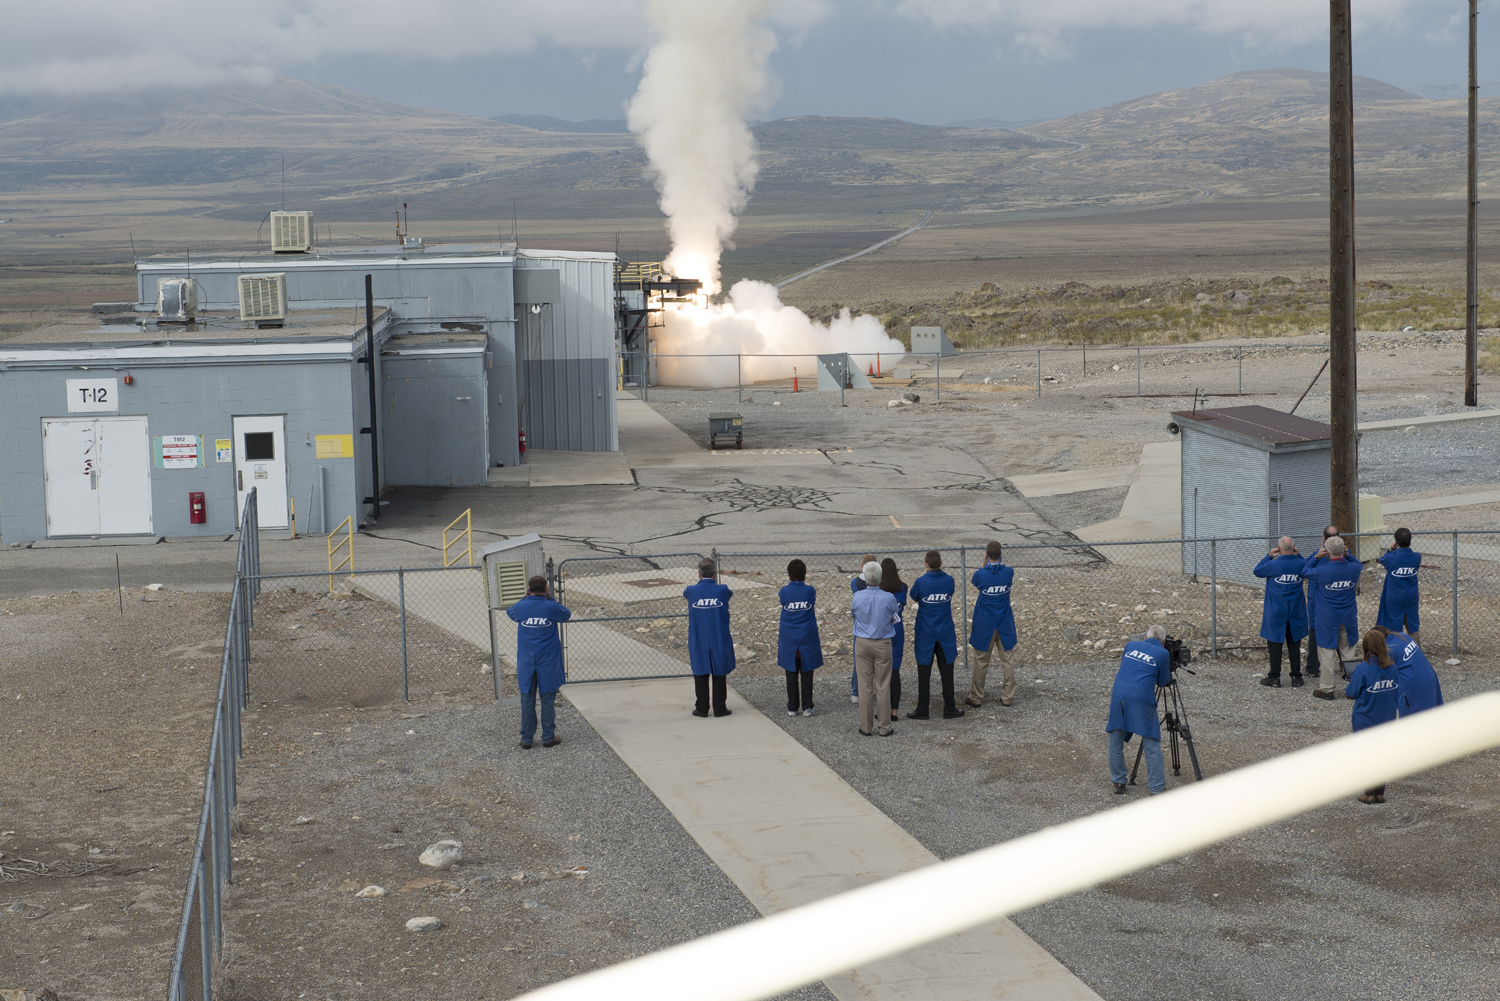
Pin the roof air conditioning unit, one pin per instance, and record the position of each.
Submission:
(263, 299)
(291, 232)
(176, 299)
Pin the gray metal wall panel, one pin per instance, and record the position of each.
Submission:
(185, 399)
(580, 326)
(583, 385)
(1306, 482)
(1233, 499)
(433, 407)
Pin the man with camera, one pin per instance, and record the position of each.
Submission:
(1145, 666)
(1284, 619)
(1398, 597)
(1332, 575)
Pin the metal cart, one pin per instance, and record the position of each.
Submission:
(726, 425)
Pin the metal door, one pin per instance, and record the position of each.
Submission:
(260, 464)
(124, 476)
(70, 474)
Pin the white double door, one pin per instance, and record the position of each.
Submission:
(260, 465)
(97, 476)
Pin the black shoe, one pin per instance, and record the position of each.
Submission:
(700, 712)
(723, 712)
(1271, 681)
(553, 742)
(973, 702)
(866, 733)
(1313, 672)
(916, 715)
(1296, 681)
(525, 745)
(1119, 788)
(1328, 696)
(952, 713)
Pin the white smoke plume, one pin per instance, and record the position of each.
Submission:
(699, 83)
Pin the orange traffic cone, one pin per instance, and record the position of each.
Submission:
(871, 372)
(794, 379)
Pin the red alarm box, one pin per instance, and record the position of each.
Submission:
(197, 511)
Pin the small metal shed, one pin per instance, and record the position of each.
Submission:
(1249, 471)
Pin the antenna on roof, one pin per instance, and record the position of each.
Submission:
(283, 183)
(514, 224)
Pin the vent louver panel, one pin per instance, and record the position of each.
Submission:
(263, 297)
(291, 232)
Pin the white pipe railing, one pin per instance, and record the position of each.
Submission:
(796, 947)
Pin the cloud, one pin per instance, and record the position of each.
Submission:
(1049, 28)
(94, 45)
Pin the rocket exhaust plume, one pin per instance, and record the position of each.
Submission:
(703, 77)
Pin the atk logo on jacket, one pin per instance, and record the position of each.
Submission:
(1339, 585)
(995, 589)
(797, 606)
(536, 622)
(1289, 578)
(1404, 572)
(937, 599)
(1141, 656)
(708, 603)
(1383, 685)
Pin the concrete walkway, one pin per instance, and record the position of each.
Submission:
(788, 831)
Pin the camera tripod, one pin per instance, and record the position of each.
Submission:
(1174, 721)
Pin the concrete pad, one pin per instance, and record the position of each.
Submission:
(646, 585)
(787, 830)
(557, 468)
(728, 458)
(1406, 422)
(643, 430)
(1127, 530)
(1073, 481)
(1156, 488)
(509, 476)
(103, 540)
(1442, 503)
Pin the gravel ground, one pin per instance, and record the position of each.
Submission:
(1347, 901)
(1456, 455)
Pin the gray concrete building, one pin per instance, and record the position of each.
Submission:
(158, 423)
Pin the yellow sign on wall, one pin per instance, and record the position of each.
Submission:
(335, 446)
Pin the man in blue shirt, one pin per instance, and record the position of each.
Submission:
(1145, 666)
(539, 659)
(1398, 598)
(934, 636)
(856, 585)
(1334, 583)
(874, 610)
(994, 629)
(1284, 618)
(710, 647)
(1314, 668)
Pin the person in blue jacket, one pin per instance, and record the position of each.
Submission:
(1284, 618)
(1145, 666)
(1420, 688)
(1334, 583)
(710, 647)
(539, 659)
(1398, 597)
(1375, 689)
(1313, 668)
(799, 652)
(934, 636)
(856, 585)
(890, 580)
(994, 629)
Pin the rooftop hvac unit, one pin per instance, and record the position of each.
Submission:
(291, 232)
(176, 299)
(263, 298)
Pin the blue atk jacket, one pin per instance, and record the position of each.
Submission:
(1144, 667)
(1420, 688)
(799, 628)
(992, 612)
(539, 655)
(710, 648)
(1398, 597)
(1284, 606)
(933, 593)
(1334, 582)
(1374, 691)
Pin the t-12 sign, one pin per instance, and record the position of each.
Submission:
(92, 396)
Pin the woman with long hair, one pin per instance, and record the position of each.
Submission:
(1374, 690)
(890, 580)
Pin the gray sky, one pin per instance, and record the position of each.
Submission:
(929, 61)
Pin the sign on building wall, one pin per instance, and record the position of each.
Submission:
(178, 451)
(224, 449)
(93, 396)
(335, 446)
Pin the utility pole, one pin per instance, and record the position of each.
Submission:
(1343, 416)
(1471, 322)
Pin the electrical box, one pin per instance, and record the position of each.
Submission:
(509, 565)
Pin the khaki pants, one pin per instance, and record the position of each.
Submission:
(1329, 658)
(872, 662)
(982, 670)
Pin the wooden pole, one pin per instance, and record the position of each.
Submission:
(1471, 322)
(1343, 416)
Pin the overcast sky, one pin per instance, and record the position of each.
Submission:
(929, 61)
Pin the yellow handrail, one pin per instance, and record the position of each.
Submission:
(465, 535)
(348, 559)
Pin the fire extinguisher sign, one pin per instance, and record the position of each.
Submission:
(178, 451)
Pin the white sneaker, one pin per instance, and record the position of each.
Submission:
(807, 712)
(854, 699)
(791, 712)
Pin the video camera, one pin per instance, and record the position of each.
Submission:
(1181, 655)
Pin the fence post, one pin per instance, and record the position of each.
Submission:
(739, 386)
(494, 652)
(1240, 357)
(204, 944)
(1213, 596)
(939, 376)
(1455, 594)
(1137, 372)
(963, 602)
(1039, 375)
(713, 554)
(401, 597)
